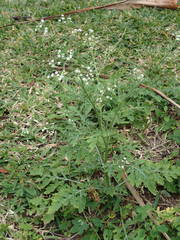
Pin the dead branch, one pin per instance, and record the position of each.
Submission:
(140, 201)
(161, 94)
(122, 5)
(64, 14)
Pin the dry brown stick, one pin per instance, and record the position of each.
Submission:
(107, 6)
(161, 94)
(140, 201)
(64, 14)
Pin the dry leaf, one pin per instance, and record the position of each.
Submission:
(172, 4)
(3, 170)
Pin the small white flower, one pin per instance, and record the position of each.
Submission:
(70, 120)
(138, 73)
(109, 89)
(89, 69)
(99, 100)
(25, 131)
(45, 30)
(91, 30)
(42, 21)
(108, 97)
(61, 77)
(77, 30)
(11, 212)
(77, 71)
(178, 37)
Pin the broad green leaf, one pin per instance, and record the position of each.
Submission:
(79, 226)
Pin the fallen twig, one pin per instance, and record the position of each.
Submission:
(64, 14)
(161, 94)
(122, 5)
(140, 201)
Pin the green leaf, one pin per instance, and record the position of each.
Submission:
(176, 136)
(36, 201)
(78, 203)
(90, 236)
(51, 188)
(162, 228)
(66, 196)
(98, 223)
(107, 234)
(26, 226)
(79, 226)
(37, 171)
(143, 211)
(47, 218)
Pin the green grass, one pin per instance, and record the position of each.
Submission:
(70, 123)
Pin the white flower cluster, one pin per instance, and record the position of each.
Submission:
(87, 36)
(177, 36)
(76, 30)
(125, 161)
(138, 74)
(62, 19)
(24, 131)
(90, 38)
(106, 93)
(60, 60)
(65, 56)
(40, 27)
(87, 77)
(59, 75)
